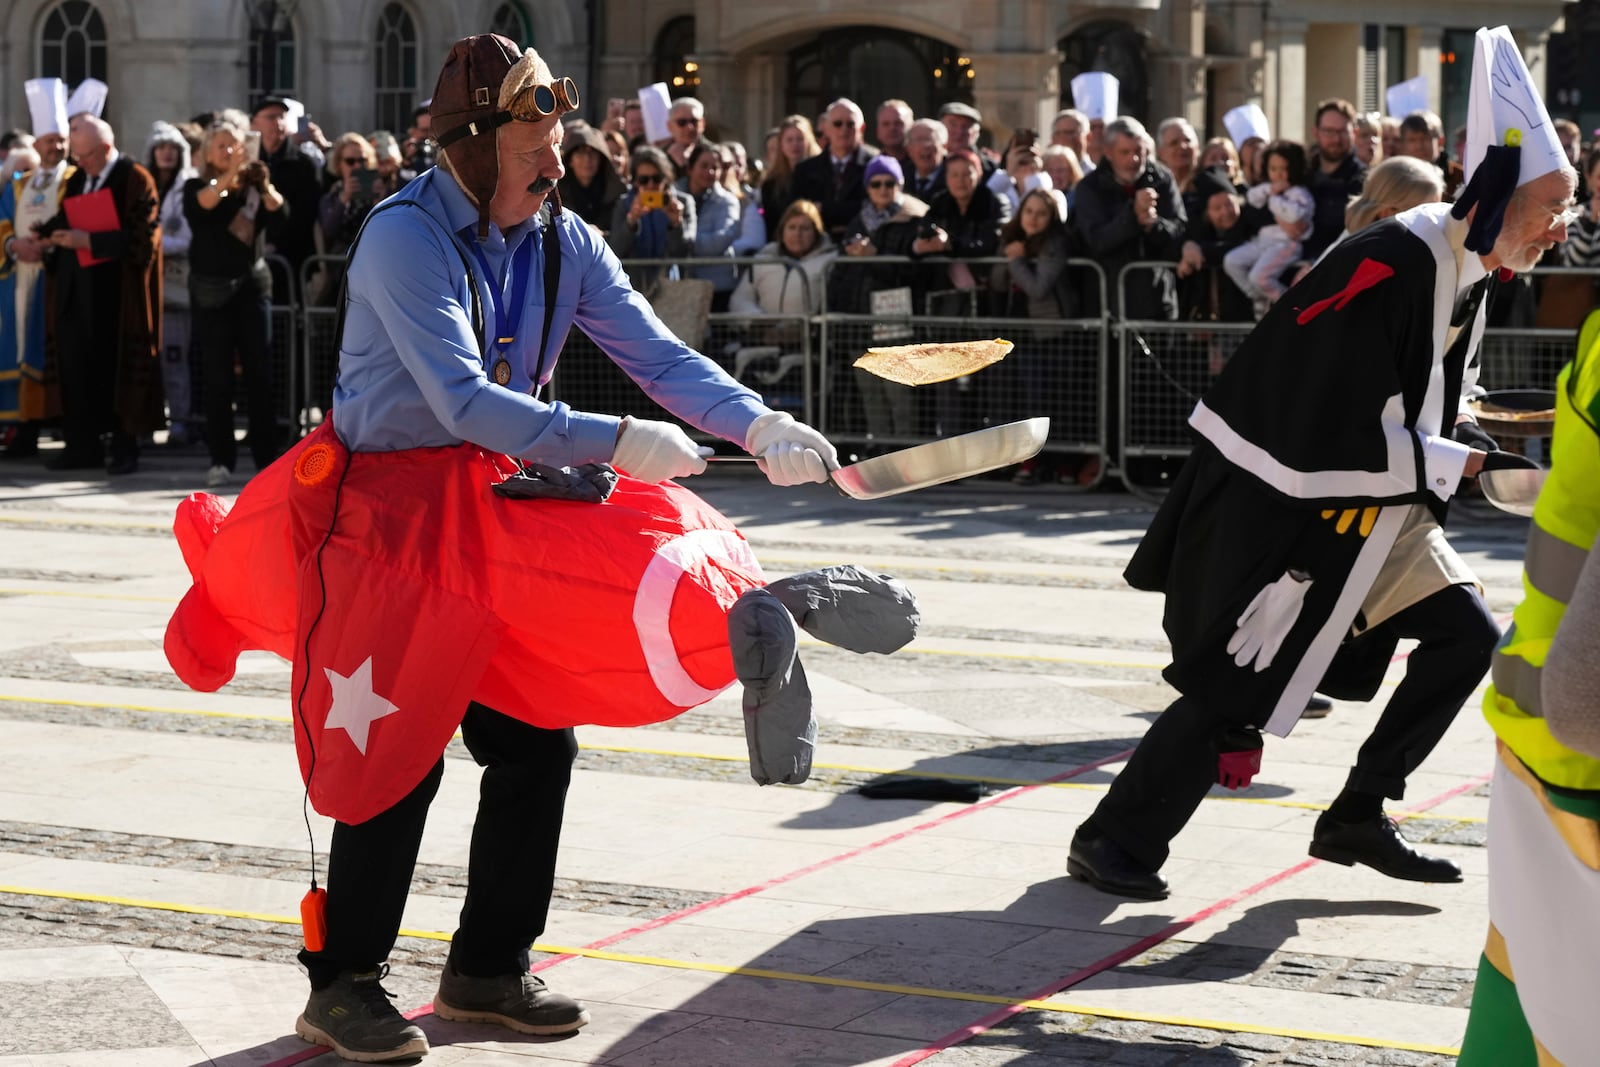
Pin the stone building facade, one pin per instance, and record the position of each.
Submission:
(363, 64)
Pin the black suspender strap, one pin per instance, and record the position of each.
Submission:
(552, 283)
(350, 255)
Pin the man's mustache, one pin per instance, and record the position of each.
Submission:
(541, 185)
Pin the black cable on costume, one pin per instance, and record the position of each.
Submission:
(1151, 356)
(305, 657)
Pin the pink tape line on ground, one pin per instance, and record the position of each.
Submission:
(664, 920)
(1000, 1015)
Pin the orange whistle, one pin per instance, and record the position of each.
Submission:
(314, 919)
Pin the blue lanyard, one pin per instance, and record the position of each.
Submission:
(505, 325)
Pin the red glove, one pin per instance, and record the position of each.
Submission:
(1238, 758)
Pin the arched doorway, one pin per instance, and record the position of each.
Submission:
(870, 64)
(674, 63)
(1114, 47)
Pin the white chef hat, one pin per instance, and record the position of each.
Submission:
(1510, 138)
(47, 101)
(89, 97)
(1247, 121)
(1094, 92)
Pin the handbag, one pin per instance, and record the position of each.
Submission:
(209, 291)
(175, 282)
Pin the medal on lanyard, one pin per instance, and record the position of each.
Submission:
(506, 321)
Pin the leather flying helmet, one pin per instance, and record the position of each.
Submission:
(485, 83)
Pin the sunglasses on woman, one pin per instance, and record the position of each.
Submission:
(649, 179)
(882, 183)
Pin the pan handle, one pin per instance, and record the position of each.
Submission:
(751, 459)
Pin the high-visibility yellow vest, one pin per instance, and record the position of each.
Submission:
(1565, 522)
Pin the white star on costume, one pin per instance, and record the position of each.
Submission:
(355, 706)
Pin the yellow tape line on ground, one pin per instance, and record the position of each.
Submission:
(848, 768)
(1064, 1007)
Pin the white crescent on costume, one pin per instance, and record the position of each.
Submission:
(652, 605)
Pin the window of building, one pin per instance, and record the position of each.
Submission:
(675, 63)
(870, 64)
(272, 51)
(1455, 79)
(511, 22)
(72, 44)
(395, 68)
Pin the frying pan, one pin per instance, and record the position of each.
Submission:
(1514, 489)
(945, 460)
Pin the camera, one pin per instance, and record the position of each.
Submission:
(1025, 138)
(652, 199)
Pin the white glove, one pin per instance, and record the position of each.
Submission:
(789, 452)
(1267, 621)
(654, 451)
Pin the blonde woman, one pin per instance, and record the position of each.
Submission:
(354, 165)
(797, 142)
(1393, 186)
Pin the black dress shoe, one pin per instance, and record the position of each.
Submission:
(124, 464)
(1377, 843)
(1106, 865)
(1317, 707)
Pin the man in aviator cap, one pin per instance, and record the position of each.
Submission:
(416, 375)
(1302, 539)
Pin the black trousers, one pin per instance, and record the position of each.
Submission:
(1176, 761)
(242, 326)
(86, 351)
(510, 873)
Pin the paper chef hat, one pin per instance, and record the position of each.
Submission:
(1406, 97)
(1094, 93)
(1247, 121)
(1510, 138)
(47, 100)
(89, 96)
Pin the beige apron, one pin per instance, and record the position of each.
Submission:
(1420, 564)
(1422, 561)
(38, 203)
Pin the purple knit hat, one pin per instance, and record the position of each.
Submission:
(883, 163)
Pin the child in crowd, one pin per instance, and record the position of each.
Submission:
(1257, 266)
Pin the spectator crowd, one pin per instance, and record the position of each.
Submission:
(156, 315)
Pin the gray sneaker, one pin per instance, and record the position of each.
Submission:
(353, 1017)
(519, 1001)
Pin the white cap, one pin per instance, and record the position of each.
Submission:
(1094, 92)
(1504, 108)
(1406, 97)
(47, 100)
(1247, 121)
(89, 96)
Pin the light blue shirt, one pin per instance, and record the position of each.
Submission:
(410, 374)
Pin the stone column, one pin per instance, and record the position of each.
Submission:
(1285, 88)
(1015, 89)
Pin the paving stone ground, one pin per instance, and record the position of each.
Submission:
(138, 891)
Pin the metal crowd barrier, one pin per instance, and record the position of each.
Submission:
(284, 316)
(1165, 366)
(1057, 368)
(1118, 391)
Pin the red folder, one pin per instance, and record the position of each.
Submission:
(95, 212)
